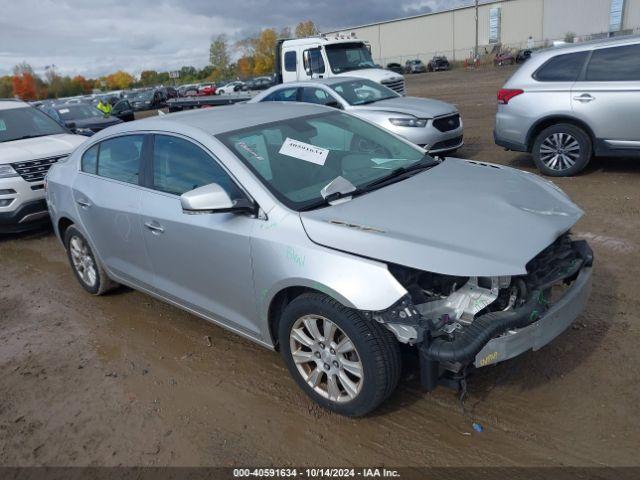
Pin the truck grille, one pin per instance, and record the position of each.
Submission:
(35, 170)
(395, 85)
(448, 123)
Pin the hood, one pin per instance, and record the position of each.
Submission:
(374, 74)
(39, 147)
(459, 218)
(418, 107)
(96, 122)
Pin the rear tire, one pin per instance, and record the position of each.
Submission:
(562, 150)
(84, 264)
(344, 362)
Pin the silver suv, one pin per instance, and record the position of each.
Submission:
(314, 232)
(569, 103)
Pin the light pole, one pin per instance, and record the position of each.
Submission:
(475, 51)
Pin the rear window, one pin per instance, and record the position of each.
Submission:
(561, 68)
(119, 158)
(616, 64)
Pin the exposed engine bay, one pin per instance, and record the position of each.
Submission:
(452, 318)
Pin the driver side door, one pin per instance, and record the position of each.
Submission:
(201, 261)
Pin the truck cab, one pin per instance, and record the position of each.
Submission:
(321, 57)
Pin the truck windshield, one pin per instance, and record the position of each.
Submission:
(344, 57)
(26, 122)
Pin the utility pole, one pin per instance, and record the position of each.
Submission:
(475, 51)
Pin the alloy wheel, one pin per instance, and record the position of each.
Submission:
(82, 261)
(560, 151)
(326, 358)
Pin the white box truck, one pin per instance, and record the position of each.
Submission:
(329, 56)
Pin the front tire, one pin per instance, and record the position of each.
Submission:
(84, 264)
(562, 150)
(344, 362)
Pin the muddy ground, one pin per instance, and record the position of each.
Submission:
(127, 380)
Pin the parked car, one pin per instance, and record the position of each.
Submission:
(187, 90)
(523, 56)
(148, 100)
(30, 142)
(81, 119)
(123, 110)
(504, 58)
(432, 124)
(338, 240)
(259, 83)
(207, 89)
(230, 87)
(395, 67)
(414, 66)
(569, 103)
(438, 63)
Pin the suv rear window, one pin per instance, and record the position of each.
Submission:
(617, 64)
(561, 68)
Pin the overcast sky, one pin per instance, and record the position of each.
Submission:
(96, 37)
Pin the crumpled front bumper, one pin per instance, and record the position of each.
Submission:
(552, 323)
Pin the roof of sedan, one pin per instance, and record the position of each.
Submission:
(234, 117)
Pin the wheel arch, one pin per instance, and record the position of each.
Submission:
(554, 120)
(63, 224)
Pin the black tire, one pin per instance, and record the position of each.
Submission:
(562, 134)
(102, 283)
(377, 349)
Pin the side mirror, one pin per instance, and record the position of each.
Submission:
(334, 104)
(70, 125)
(307, 62)
(213, 199)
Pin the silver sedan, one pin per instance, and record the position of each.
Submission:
(432, 124)
(326, 237)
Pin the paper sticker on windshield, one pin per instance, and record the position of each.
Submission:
(304, 151)
(3, 126)
(64, 110)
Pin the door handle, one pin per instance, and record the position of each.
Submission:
(83, 203)
(154, 227)
(585, 97)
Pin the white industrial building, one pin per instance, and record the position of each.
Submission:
(510, 23)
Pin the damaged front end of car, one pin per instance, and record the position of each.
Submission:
(462, 323)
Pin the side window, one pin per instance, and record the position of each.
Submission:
(561, 68)
(90, 159)
(119, 158)
(316, 95)
(180, 166)
(290, 61)
(617, 64)
(282, 95)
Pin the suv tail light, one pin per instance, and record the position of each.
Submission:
(506, 94)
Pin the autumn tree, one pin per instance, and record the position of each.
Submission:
(148, 77)
(82, 85)
(244, 67)
(6, 86)
(264, 52)
(24, 86)
(119, 80)
(306, 29)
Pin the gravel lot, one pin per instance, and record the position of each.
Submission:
(128, 380)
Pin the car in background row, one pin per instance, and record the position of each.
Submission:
(504, 58)
(395, 68)
(432, 124)
(148, 100)
(230, 87)
(187, 91)
(414, 66)
(523, 55)
(339, 243)
(82, 119)
(30, 142)
(438, 63)
(569, 103)
(259, 83)
(206, 89)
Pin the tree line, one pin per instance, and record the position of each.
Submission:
(256, 58)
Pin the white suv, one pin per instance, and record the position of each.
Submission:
(30, 142)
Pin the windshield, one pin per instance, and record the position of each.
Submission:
(146, 95)
(78, 112)
(344, 57)
(361, 92)
(26, 122)
(296, 158)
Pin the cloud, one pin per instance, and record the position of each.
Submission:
(93, 38)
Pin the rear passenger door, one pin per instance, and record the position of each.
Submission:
(200, 261)
(607, 96)
(107, 196)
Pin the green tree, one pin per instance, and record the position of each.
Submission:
(148, 77)
(6, 86)
(219, 57)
